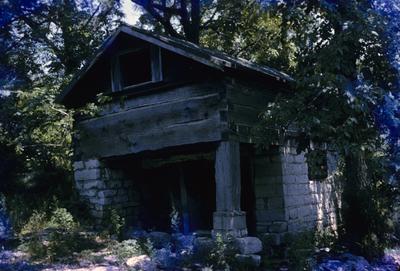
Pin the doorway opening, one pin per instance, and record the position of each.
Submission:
(177, 196)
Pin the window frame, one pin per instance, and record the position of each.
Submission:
(155, 64)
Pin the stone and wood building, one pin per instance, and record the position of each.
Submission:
(174, 142)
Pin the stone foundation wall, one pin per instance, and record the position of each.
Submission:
(102, 188)
(286, 200)
(269, 194)
(309, 204)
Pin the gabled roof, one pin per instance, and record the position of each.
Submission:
(211, 58)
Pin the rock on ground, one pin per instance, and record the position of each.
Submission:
(142, 262)
(349, 262)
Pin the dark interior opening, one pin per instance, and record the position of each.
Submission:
(135, 67)
(186, 189)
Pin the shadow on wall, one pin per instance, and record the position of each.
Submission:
(309, 203)
(326, 195)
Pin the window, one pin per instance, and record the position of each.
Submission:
(136, 67)
(317, 164)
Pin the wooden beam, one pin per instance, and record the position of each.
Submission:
(227, 176)
(155, 163)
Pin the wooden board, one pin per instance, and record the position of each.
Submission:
(177, 118)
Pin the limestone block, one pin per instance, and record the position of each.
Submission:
(262, 226)
(92, 163)
(100, 201)
(275, 203)
(249, 245)
(287, 158)
(79, 184)
(270, 215)
(90, 184)
(248, 260)
(77, 165)
(107, 193)
(87, 174)
(278, 227)
(293, 213)
(261, 204)
(302, 179)
(294, 226)
(99, 207)
(300, 158)
(89, 192)
(229, 220)
(289, 179)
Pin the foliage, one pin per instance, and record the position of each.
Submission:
(175, 220)
(53, 235)
(59, 218)
(220, 257)
(113, 223)
(43, 43)
(36, 222)
(365, 203)
(387, 113)
(343, 73)
(127, 249)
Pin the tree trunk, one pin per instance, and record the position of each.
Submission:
(190, 21)
(355, 195)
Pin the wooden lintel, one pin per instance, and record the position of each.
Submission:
(154, 163)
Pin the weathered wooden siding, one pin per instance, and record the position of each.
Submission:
(246, 103)
(185, 115)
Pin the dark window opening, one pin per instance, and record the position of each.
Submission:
(317, 164)
(135, 67)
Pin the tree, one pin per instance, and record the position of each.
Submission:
(388, 112)
(42, 44)
(343, 73)
(167, 13)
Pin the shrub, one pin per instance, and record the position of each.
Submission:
(127, 249)
(53, 236)
(219, 257)
(37, 222)
(113, 223)
(62, 219)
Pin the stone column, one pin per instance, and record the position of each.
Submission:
(228, 218)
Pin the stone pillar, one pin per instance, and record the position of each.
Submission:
(228, 218)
